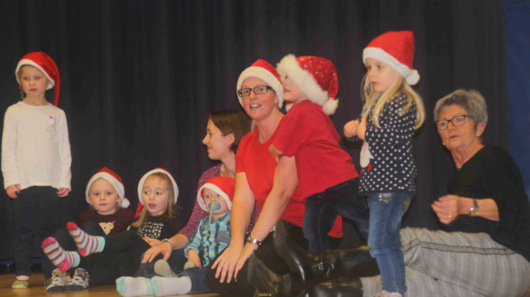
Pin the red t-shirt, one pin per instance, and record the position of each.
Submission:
(307, 133)
(255, 160)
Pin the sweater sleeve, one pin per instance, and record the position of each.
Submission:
(9, 157)
(395, 127)
(63, 147)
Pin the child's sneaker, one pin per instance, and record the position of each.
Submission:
(57, 284)
(47, 281)
(79, 281)
(20, 284)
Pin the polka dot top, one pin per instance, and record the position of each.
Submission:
(391, 167)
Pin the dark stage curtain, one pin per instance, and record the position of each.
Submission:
(139, 78)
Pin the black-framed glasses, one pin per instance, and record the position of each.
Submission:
(458, 120)
(257, 90)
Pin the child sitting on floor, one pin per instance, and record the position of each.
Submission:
(211, 238)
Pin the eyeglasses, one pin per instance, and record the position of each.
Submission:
(257, 90)
(458, 120)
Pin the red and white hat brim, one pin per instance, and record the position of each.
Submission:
(32, 63)
(266, 76)
(142, 181)
(411, 76)
(118, 186)
(217, 190)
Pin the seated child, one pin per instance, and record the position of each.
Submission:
(121, 253)
(210, 239)
(108, 215)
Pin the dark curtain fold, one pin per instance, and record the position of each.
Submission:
(140, 77)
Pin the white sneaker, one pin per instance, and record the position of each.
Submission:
(57, 284)
(79, 281)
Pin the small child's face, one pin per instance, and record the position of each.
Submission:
(215, 201)
(291, 92)
(32, 81)
(103, 197)
(380, 75)
(155, 195)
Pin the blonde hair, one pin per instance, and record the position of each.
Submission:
(170, 210)
(377, 100)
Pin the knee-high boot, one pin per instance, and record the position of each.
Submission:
(353, 261)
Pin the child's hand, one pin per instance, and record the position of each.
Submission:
(361, 128)
(275, 152)
(152, 241)
(194, 257)
(350, 129)
(13, 190)
(63, 192)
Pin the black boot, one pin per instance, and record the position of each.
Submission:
(265, 281)
(343, 287)
(316, 267)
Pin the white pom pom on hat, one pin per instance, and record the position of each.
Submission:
(397, 50)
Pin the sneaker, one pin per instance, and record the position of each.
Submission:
(79, 281)
(20, 284)
(57, 284)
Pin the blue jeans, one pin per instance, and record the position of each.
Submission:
(322, 209)
(386, 211)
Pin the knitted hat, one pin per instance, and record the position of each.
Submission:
(315, 77)
(397, 50)
(45, 64)
(161, 170)
(114, 179)
(266, 72)
(224, 186)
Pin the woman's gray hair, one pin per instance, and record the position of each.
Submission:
(471, 100)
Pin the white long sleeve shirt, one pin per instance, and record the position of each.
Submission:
(36, 147)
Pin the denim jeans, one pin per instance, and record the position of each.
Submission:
(386, 211)
(322, 209)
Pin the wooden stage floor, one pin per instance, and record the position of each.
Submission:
(37, 289)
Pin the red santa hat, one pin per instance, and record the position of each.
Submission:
(114, 179)
(266, 72)
(45, 64)
(397, 50)
(316, 78)
(160, 170)
(222, 185)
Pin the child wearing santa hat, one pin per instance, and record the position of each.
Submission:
(108, 215)
(210, 239)
(36, 158)
(391, 113)
(326, 174)
(121, 253)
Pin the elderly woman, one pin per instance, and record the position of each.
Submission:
(485, 246)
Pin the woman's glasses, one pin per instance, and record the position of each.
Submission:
(257, 90)
(458, 120)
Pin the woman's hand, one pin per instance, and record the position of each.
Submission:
(361, 128)
(248, 249)
(164, 249)
(63, 192)
(350, 128)
(13, 190)
(446, 208)
(226, 264)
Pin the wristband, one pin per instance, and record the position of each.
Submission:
(171, 242)
(251, 239)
